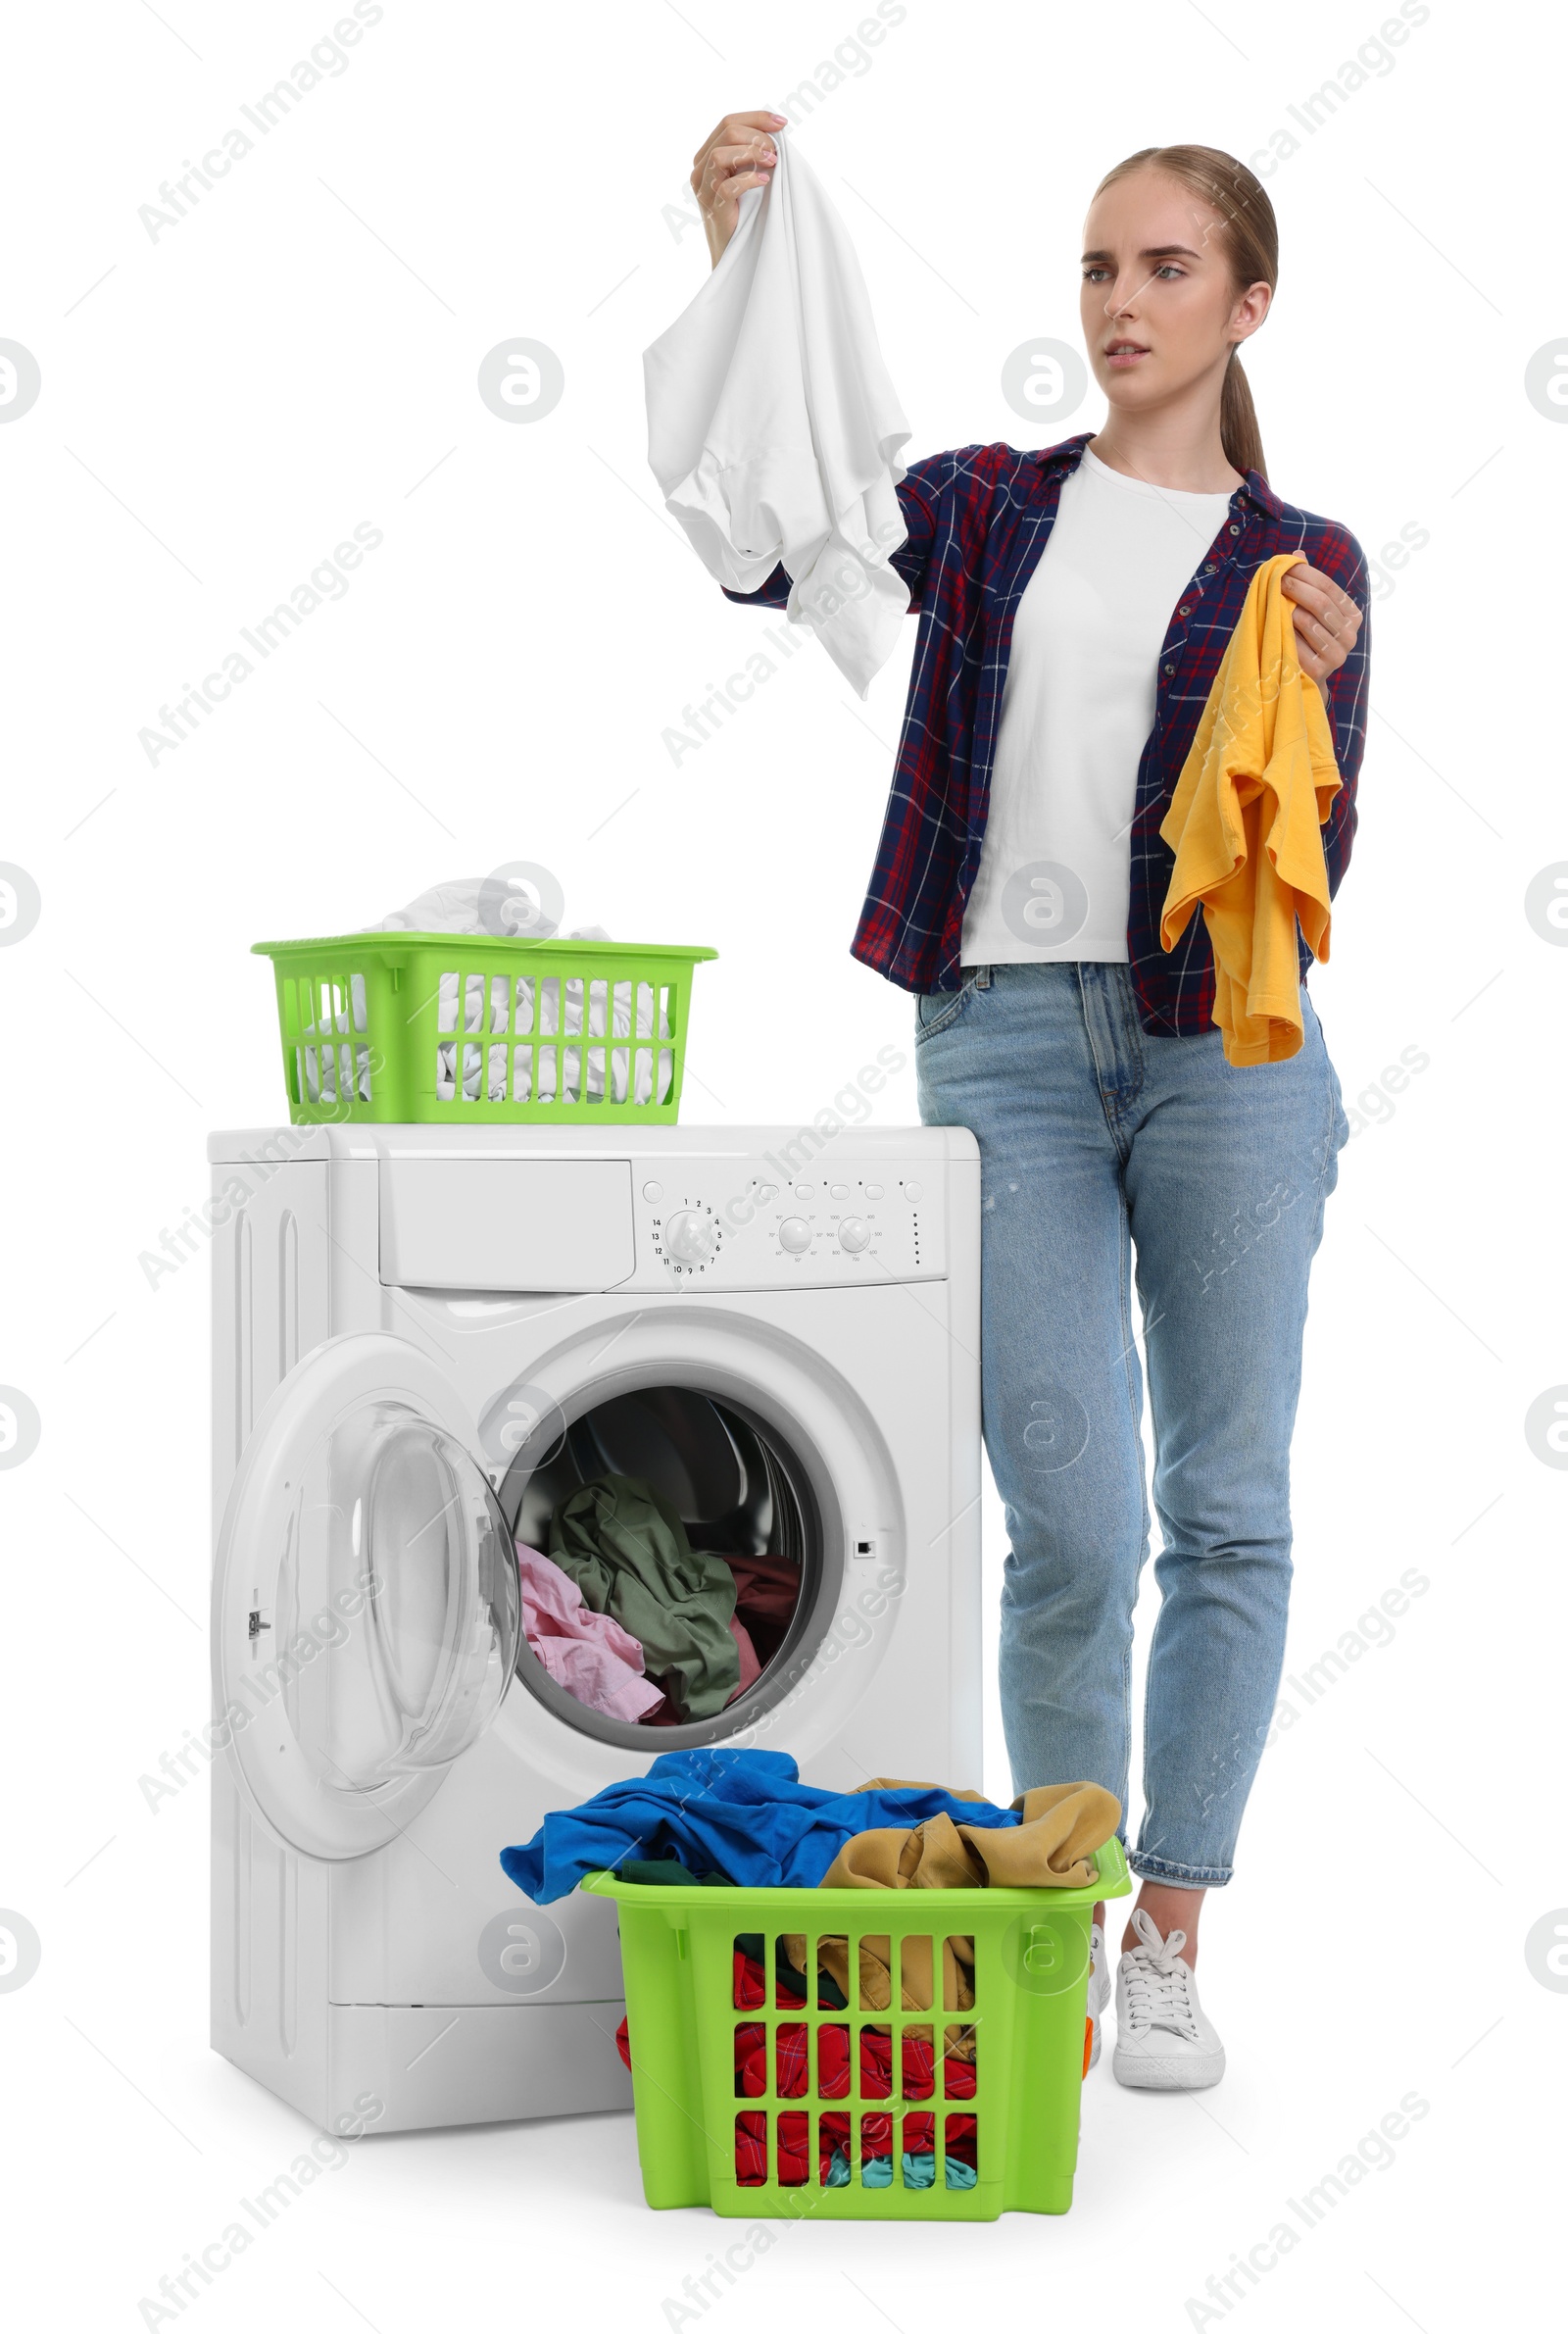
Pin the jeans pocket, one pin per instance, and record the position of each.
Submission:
(940, 1009)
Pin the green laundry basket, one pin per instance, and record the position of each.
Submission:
(462, 1029)
(1031, 1975)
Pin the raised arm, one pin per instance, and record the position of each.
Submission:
(739, 154)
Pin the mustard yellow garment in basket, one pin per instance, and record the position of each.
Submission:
(1245, 824)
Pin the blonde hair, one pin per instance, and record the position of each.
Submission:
(1252, 243)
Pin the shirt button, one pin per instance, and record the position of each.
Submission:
(1209, 570)
(1170, 669)
(1184, 612)
(1236, 531)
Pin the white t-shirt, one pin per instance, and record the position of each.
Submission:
(1077, 706)
(773, 429)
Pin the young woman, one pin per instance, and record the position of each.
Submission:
(1075, 604)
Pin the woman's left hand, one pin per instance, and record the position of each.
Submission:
(1327, 619)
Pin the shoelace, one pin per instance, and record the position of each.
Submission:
(1158, 1980)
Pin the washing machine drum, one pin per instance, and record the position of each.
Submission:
(743, 1496)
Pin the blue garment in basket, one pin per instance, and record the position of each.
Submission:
(743, 1812)
(919, 2171)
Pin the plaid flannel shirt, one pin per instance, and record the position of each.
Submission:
(978, 519)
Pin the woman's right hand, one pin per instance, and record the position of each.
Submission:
(740, 154)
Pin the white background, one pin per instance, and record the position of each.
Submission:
(219, 407)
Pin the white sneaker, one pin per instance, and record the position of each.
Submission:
(1098, 1991)
(1164, 2039)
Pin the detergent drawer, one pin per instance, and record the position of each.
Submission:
(547, 1225)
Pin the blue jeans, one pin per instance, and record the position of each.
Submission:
(1099, 1142)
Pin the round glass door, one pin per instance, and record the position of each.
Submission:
(396, 1537)
(367, 1613)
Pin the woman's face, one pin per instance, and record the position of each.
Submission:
(1158, 306)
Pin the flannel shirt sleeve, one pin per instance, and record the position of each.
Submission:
(1346, 704)
(916, 494)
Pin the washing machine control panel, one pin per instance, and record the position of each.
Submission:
(741, 1223)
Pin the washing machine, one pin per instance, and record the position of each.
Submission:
(424, 1342)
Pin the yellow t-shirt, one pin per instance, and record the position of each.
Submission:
(1245, 824)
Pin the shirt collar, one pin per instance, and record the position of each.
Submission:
(1060, 460)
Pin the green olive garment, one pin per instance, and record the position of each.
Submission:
(626, 1549)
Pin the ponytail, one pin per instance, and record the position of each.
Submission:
(1239, 432)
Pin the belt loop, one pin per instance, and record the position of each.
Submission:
(982, 979)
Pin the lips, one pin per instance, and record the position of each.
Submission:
(1125, 353)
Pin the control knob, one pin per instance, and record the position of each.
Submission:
(854, 1233)
(689, 1237)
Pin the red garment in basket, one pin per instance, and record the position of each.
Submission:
(793, 2169)
(794, 2139)
(792, 2046)
(751, 2149)
(749, 1990)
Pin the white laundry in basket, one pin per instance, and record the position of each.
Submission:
(471, 903)
(487, 1012)
(333, 1068)
(554, 1007)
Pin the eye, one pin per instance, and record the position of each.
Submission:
(1171, 267)
(1094, 274)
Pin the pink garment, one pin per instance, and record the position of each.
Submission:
(587, 1652)
(751, 1666)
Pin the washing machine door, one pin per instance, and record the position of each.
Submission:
(365, 1604)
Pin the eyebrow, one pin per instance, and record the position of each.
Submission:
(1156, 250)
